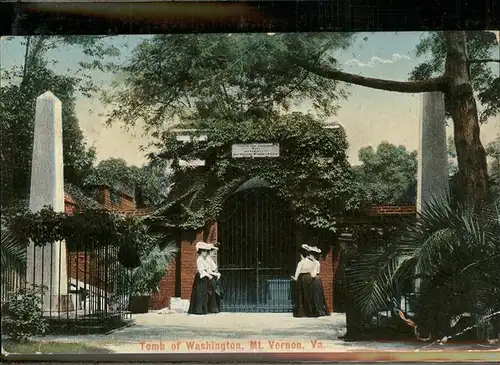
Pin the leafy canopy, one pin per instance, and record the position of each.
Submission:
(21, 85)
(173, 78)
(388, 175)
(485, 79)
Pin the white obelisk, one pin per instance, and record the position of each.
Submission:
(432, 179)
(47, 266)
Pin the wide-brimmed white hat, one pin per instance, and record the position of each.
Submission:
(306, 247)
(210, 246)
(202, 246)
(315, 249)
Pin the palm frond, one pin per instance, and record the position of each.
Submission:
(153, 267)
(458, 252)
(13, 251)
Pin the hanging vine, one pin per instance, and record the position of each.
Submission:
(88, 229)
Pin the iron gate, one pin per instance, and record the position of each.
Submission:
(257, 253)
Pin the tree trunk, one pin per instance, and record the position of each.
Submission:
(471, 156)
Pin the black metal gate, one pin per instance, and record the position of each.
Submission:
(257, 253)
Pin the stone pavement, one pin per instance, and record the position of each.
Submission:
(236, 332)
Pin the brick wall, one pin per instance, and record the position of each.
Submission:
(167, 289)
(188, 265)
(327, 276)
(336, 255)
(103, 196)
(388, 210)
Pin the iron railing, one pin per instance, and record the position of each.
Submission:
(96, 288)
(257, 254)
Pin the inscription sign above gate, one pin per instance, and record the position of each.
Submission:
(255, 150)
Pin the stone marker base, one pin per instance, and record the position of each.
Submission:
(179, 305)
(54, 304)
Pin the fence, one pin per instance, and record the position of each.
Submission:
(97, 285)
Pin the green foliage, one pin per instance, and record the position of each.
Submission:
(222, 76)
(493, 151)
(145, 279)
(452, 155)
(22, 314)
(18, 96)
(13, 254)
(388, 175)
(457, 253)
(312, 172)
(100, 228)
(484, 76)
(149, 182)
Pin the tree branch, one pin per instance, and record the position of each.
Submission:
(432, 84)
(484, 60)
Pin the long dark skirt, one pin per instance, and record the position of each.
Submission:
(319, 298)
(213, 301)
(303, 302)
(218, 292)
(199, 296)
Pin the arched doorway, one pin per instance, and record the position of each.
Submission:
(257, 252)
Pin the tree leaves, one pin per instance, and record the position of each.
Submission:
(388, 175)
(148, 182)
(219, 76)
(484, 76)
(18, 98)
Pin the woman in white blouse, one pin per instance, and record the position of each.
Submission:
(214, 284)
(303, 305)
(318, 291)
(200, 292)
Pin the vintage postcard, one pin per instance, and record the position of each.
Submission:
(333, 195)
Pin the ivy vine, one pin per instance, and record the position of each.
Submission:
(312, 173)
(88, 229)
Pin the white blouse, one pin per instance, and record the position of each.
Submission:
(203, 267)
(317, 267)
(305, 266)
(213, 266)
(211, 262)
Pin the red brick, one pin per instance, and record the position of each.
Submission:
(188, 265)
(327, 277)
(167, 289)
(336, 256)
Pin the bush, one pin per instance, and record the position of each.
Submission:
(22, 314)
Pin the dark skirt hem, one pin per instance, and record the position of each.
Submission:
(303, 302)
(213, 305)
(320, 304)
(199, 303)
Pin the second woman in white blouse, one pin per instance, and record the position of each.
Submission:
(303, 305)
(320, 305)
(214, 283)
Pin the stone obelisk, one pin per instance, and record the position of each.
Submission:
(432, 180)
(47, 265)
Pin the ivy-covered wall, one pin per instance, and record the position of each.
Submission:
(312, 172)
